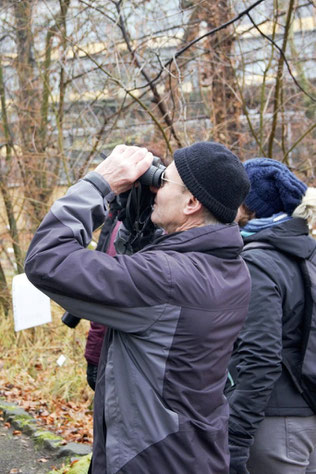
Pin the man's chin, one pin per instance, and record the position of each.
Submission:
(153, 217)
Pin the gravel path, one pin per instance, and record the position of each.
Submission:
(19, 455)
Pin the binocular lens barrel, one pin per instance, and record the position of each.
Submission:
(152, 177)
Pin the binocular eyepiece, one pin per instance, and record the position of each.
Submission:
(152, 177)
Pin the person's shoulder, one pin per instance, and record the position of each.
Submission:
(267, 260)
(259, 251)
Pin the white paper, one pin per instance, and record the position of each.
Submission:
(61, 359)
(30, 306)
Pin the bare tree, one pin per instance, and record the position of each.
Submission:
(77, 76)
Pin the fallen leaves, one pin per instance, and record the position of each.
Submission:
(57, 397)
(72, 421)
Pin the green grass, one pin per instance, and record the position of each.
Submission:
(78, 467)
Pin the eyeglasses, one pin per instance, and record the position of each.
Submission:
(165, 180)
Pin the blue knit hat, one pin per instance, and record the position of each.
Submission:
(274, 188)
(215, 176)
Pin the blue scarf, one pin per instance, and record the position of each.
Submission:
(255, 225)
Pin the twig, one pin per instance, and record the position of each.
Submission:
(299, 140)
(196, 40)
(284, 58)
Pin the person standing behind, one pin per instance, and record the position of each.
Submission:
(173, 309)
(272, 428)
(97, 331)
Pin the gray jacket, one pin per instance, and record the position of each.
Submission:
(174, 310)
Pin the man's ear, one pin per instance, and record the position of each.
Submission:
(192, 206)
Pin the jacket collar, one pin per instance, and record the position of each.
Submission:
(221, 240)
(290, 237)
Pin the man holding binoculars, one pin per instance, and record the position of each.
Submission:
(173, 309)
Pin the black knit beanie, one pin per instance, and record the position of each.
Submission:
(215, 176)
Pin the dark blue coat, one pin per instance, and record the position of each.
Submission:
(273, 329)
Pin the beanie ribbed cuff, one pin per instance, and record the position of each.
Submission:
(257, 205)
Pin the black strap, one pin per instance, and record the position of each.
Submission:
(106, 232)
(90, 467)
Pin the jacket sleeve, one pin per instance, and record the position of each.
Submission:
(114, 291)
(256, 362)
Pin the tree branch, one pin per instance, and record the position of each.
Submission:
(284, 58)
(157, 98)
(298, 141)
(196, 40)
(279, 79)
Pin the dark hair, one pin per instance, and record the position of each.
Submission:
(246, 217)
